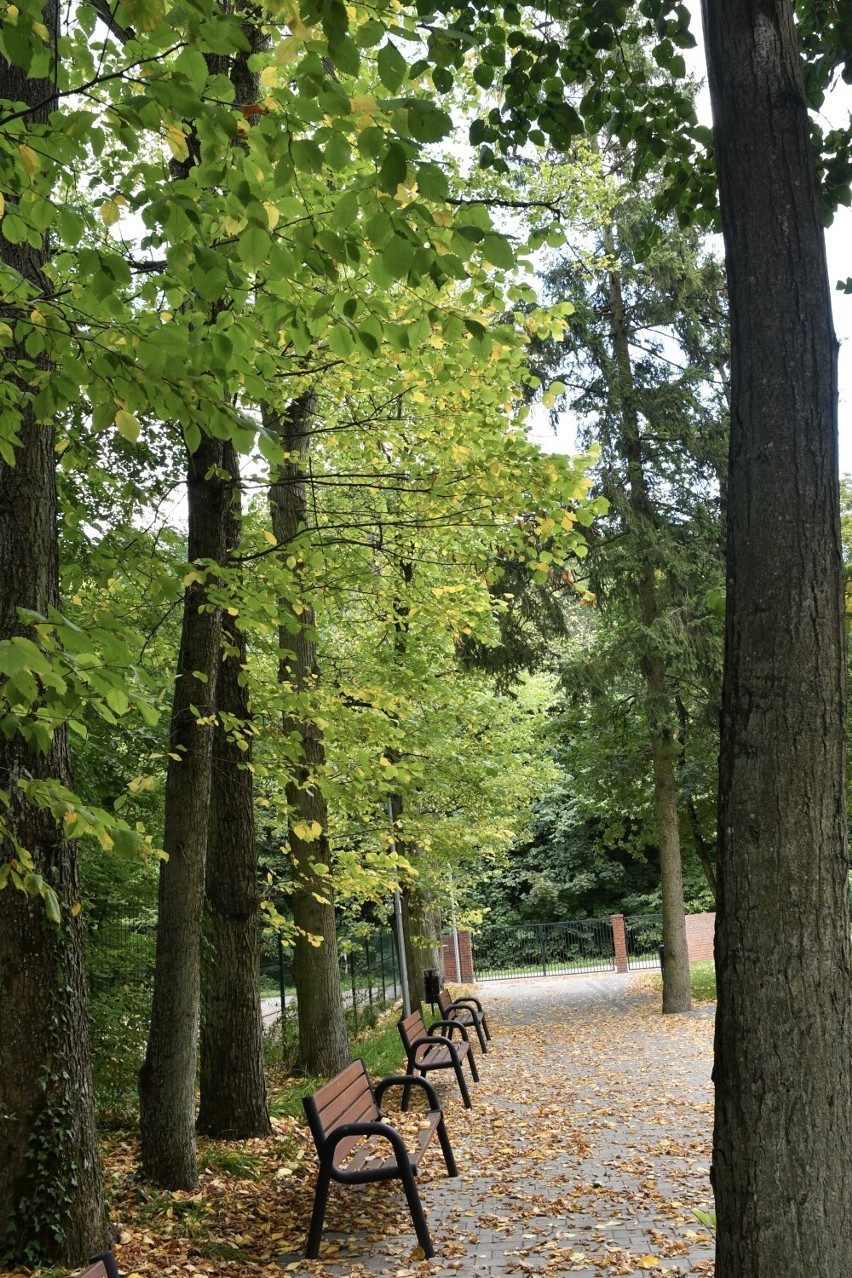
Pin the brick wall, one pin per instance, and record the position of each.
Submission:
(699, 935)
(465, 955)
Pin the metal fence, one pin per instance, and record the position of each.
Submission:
(544, 949)
(369, 973)
(120, 955)
(644, 933)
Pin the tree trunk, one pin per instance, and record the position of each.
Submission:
(782, 1162)
(233, 1085)
(168, 1075)
(51, 1187)
(677, 995)
(323, 1041)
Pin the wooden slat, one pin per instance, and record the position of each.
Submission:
(95, 1271)
(351, 1106)
(344, 1079)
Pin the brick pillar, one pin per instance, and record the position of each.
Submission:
(619, 938)
(466, 976)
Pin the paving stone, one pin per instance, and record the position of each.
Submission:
(586, 1153)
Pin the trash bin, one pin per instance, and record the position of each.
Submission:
(431, 985)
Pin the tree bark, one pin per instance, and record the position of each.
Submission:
(168, 1075)
(51, 1190)
(677, 995)
(233, 1084)
(323, 1041)
(782, 1163)
(51, 1187)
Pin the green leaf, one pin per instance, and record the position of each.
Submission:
(394, 169)
(432, 182)
(497, 250)
(144, 15)
(254, 247)
(14, 229)
(51, 905)
(392, 66)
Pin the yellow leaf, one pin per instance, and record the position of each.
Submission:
(109, 212)
(41, 31)
(2, 204)
(269, 77)
(75, 909)
(299, 29)
(69, 817)
(272, 214)
(127, 425)
(363, 104)
(176, 141)
(648, 1262)
(270, 537)
(287, 50)
(29, 160)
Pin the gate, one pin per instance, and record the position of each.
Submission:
(544, 949)
(644, 934)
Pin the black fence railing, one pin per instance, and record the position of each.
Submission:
(544, 949)
(120, 955)
(369, 974)
(644, 933)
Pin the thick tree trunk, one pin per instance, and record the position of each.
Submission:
(677, 995)
(51, 1188)
(168, 1075)
(233, 1085)
(323, 1041)
(782, 1162)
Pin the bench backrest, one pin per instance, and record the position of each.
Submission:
(411, 1028)
(95, 1271)
(445, 998)
(348, 1098)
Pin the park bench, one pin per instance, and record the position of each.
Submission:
(467, 1010)
(102, 1266)
(425, 1050)
(351, 1135)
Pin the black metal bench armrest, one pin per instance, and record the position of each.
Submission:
(471, 1003)
(402, 1080)
(451, 1026)
(372, 1128)
(429, 1041)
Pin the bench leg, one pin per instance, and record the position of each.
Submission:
(485, 1027)
(446, 1148)
(415, 1206)
(479, 1034)
(318, 1215)
(474, 1072)
(462, 1086)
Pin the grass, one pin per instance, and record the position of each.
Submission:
(377, 1040)
(702, 979)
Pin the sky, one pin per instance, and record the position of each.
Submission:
(839, 250)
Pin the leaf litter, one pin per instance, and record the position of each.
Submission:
(587, 1152)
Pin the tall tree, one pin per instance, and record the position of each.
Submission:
(641, 361)
(323, 1041)
(782, 1163)
(168, 1076)
(51, 1188)
(232, 1082)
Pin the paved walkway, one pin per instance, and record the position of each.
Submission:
(586, 1152)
